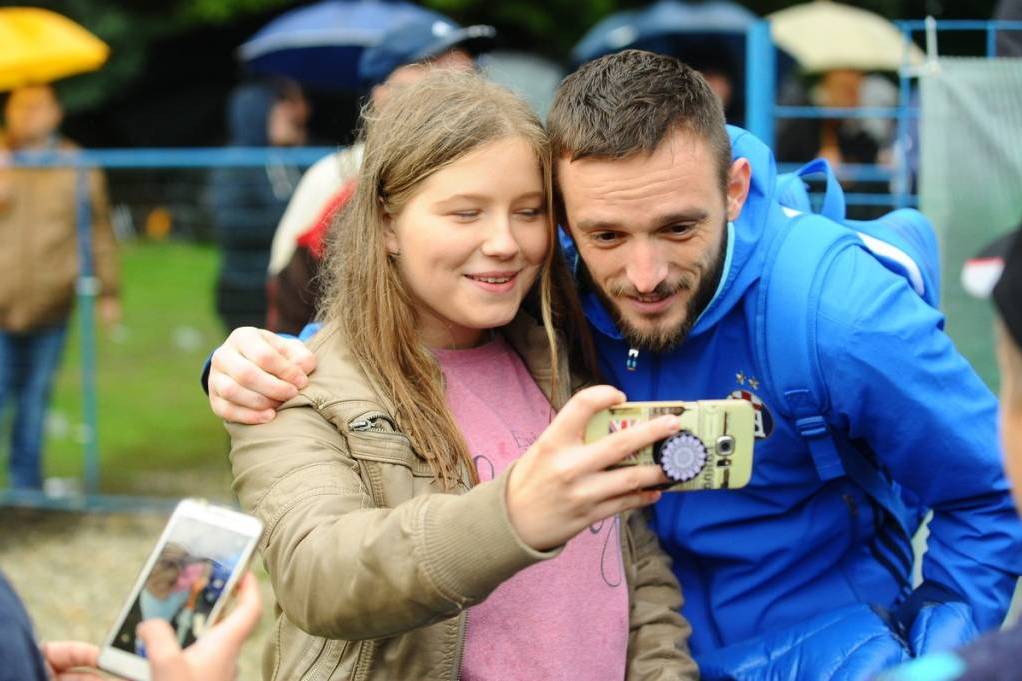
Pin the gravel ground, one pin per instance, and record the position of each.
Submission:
(74, 571)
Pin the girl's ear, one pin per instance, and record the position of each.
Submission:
(390, 239)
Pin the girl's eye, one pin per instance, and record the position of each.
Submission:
(530, 212)
(466, 214)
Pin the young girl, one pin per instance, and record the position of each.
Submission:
(426, 517)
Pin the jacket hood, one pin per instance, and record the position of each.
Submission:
(744, 234)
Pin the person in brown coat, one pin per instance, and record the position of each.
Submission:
(39, 262)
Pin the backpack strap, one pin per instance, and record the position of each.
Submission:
(791, 190)
(789, 298)
(798, 259)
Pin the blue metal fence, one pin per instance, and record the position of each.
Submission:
(763, 112)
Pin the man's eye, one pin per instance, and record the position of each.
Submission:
(604, 238)
(679, 230)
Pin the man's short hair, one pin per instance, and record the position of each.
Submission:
(626, 103)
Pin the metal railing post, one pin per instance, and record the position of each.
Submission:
(761, 81)
(87, 289)
(902, 188)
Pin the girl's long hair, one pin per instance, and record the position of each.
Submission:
(420, 130)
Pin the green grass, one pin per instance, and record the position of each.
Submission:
(154, 421)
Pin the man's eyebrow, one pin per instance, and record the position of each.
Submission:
(691, 215)
(596, 225)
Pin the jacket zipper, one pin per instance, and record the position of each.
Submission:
(632, 364)
(460, 656)
(632, 360)
(376, 423)
(363, 660)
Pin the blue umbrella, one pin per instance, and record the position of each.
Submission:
(709, 36)
(661, 27)
(617, 31)
(319, 45)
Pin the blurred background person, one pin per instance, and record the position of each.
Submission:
(39, 261)
(399, 60)
(995, 273)
(248, 202)
(838, 140)
(842, 141)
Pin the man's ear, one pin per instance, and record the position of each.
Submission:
(739, 178)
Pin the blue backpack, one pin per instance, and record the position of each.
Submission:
(798, 258)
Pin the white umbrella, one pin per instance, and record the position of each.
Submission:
(824, 36)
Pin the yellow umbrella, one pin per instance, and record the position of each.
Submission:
(824, 36)
(39, 46)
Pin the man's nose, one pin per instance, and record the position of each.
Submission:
(646, 266)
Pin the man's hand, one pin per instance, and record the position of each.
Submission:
(214, 657)
(109, 311)
(62, 657)
(254, 372)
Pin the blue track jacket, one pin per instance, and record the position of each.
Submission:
(779, 578)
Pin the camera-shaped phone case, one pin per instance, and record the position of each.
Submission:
(713, 449)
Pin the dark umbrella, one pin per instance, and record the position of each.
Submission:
(320, 45)
(709, 36)
(658, 27)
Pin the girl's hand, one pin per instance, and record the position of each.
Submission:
(561, 485)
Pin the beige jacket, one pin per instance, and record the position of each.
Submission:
(374, 567)
(39, 256)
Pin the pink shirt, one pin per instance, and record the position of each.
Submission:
(564, 618)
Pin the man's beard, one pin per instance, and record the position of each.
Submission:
(664, 339)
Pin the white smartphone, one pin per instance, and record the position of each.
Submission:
(199, 558)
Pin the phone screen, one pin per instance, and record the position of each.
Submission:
(188, 577)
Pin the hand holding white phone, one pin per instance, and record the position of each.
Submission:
(201, 555)
(214, 657)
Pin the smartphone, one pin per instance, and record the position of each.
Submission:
(713, 449)
(203, 552)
